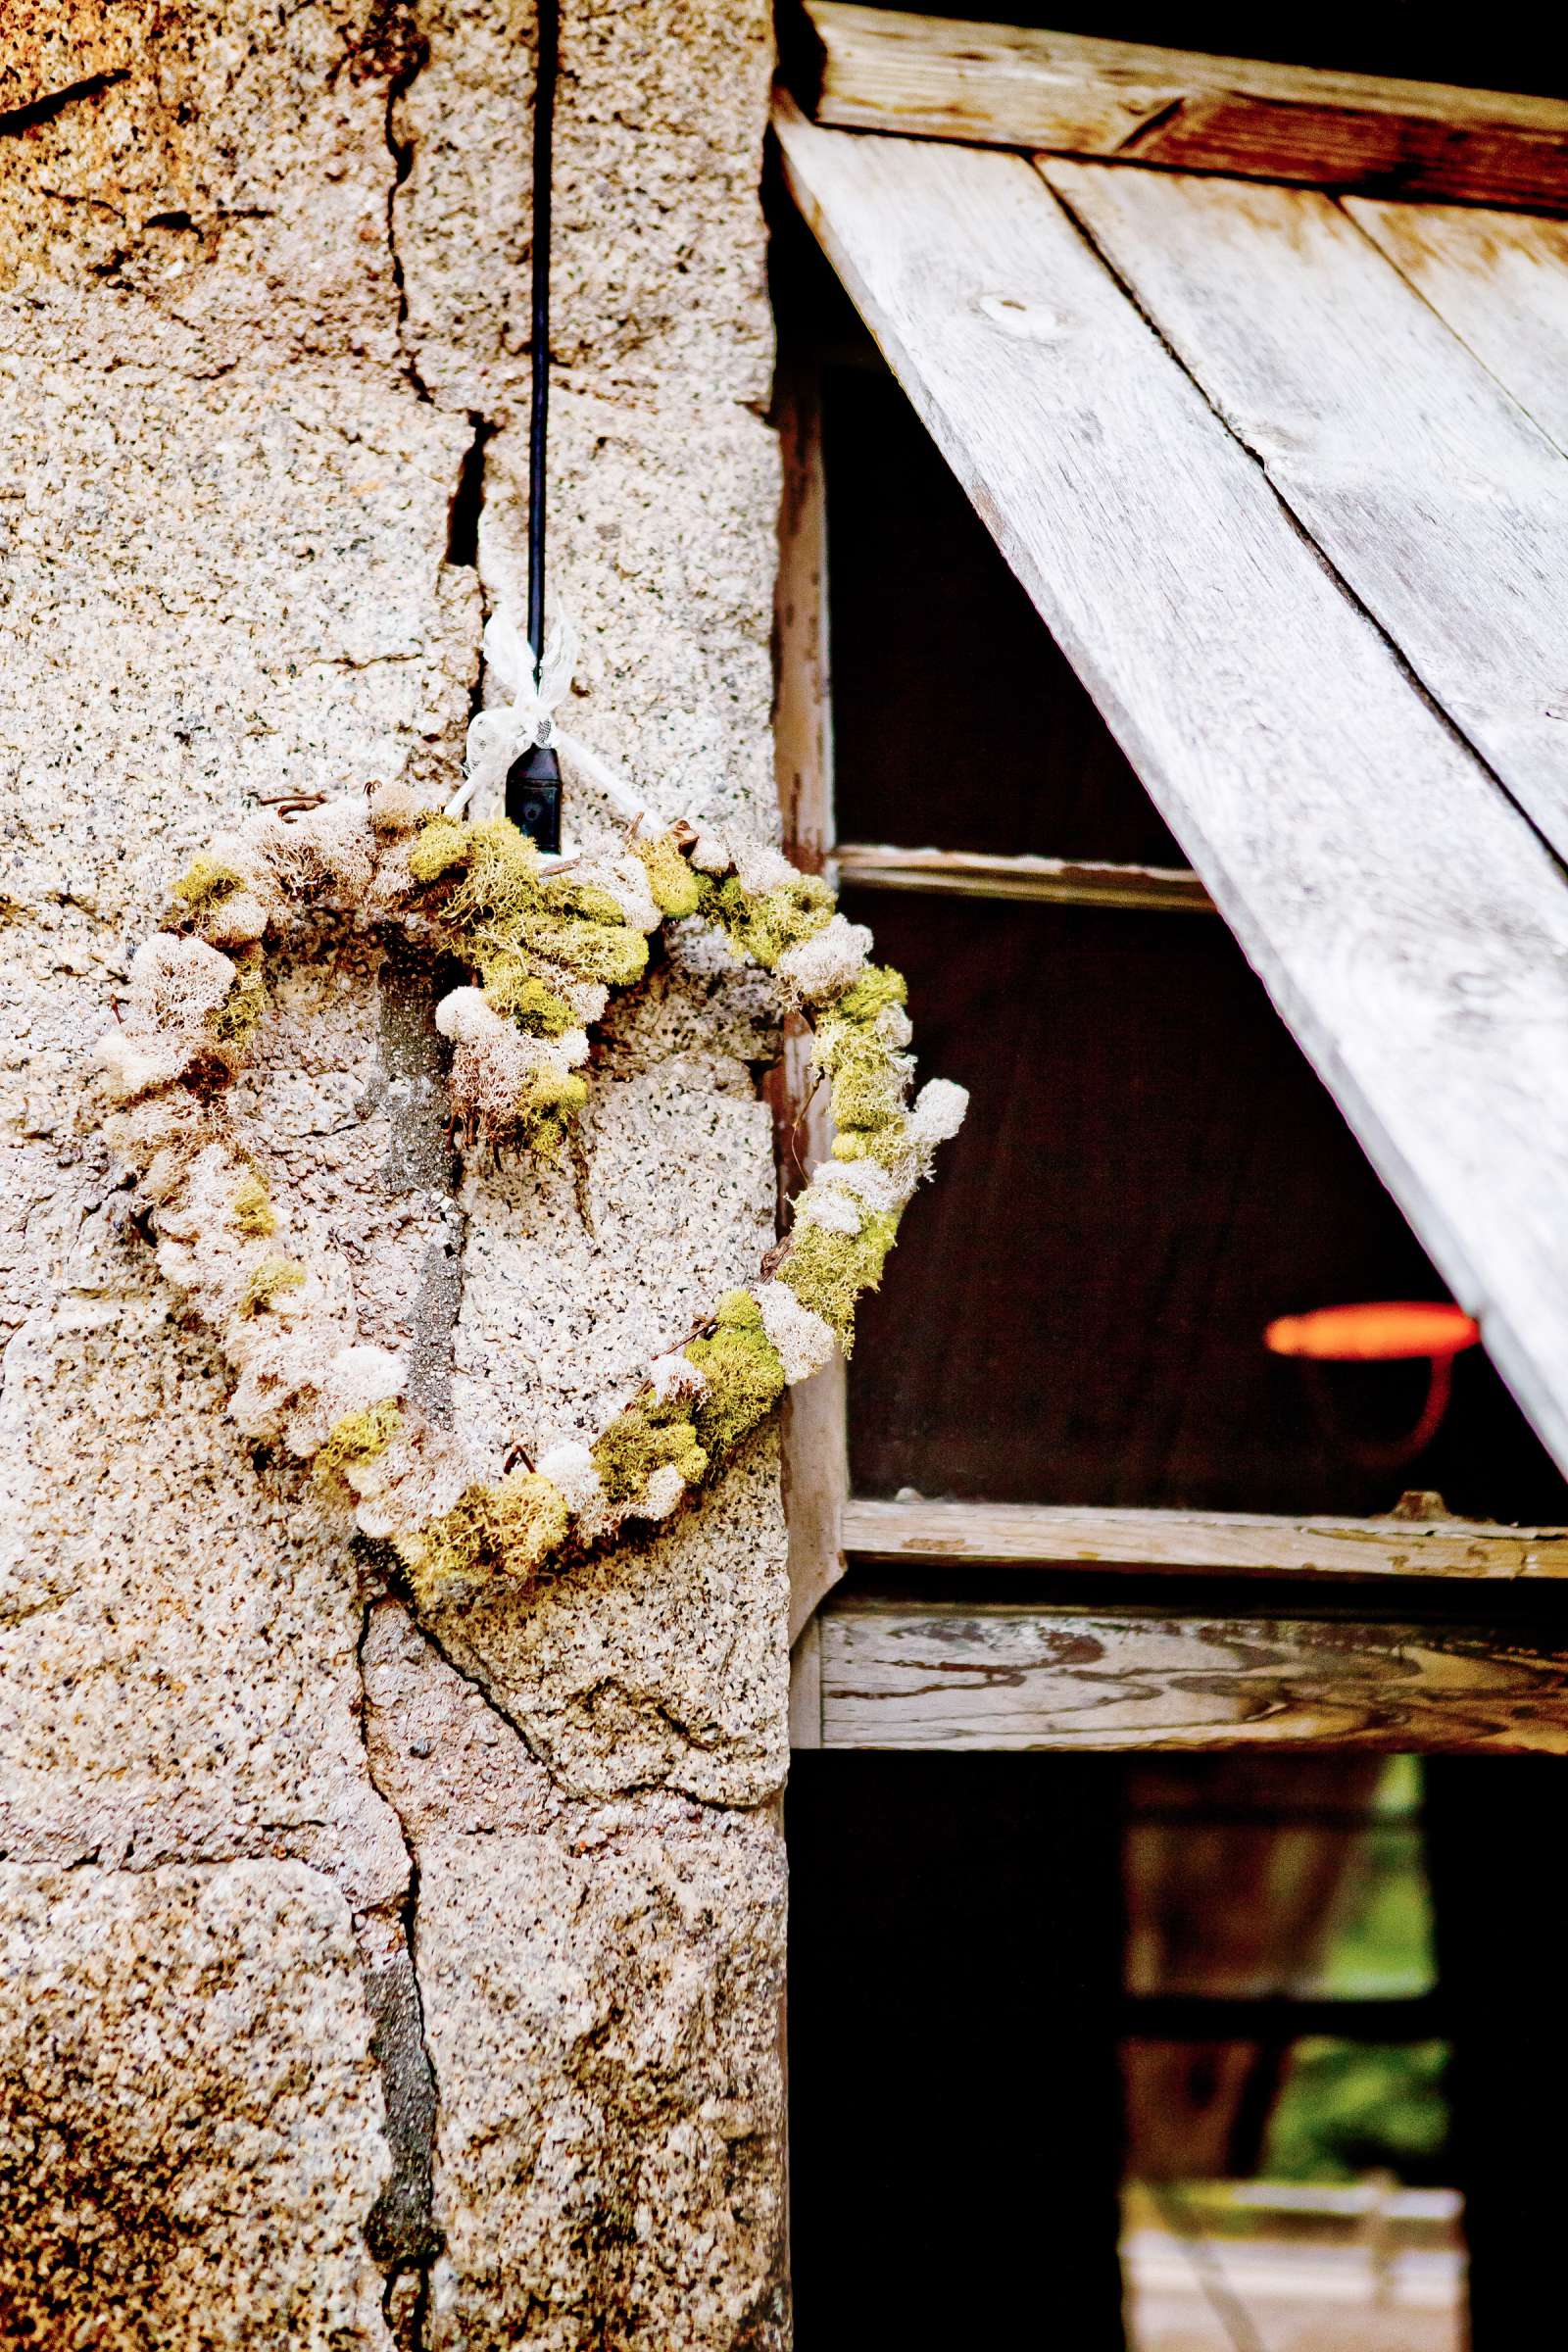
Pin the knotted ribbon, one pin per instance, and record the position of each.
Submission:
(500, 735)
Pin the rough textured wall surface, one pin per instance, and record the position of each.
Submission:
(357, 1990)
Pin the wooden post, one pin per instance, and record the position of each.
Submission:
(815, 1454)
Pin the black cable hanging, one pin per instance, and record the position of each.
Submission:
(533, 781)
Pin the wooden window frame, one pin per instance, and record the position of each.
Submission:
(1523, 1703)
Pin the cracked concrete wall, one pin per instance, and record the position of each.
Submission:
(358, 1992)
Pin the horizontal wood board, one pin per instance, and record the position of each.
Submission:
(1498, 279)
(1070, 94)
(1410, 927)
(1218, 1543)
(1071, 882)
(1440, 502)
(910, 1676)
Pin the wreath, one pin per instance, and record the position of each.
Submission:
(545, 942)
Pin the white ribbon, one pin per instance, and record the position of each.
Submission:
(501, 734)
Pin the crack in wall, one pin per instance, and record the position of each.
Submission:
(401, 2230)
(396, 44)
(26, 118)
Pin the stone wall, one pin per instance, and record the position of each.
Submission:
(362, 1987)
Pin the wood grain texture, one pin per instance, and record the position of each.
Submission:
(802, 715)
(1409, 927)
(1498, 279)
(907, 1675)
(815, 1443)
(1227, 1542)
(1069, 94)
(1070, 882)
(806, 1689)
(1425, 485)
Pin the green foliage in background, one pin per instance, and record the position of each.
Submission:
(1350, 2108)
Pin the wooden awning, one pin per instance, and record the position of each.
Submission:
(1284, 474)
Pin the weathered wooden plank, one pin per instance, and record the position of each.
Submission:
(1219, 1543)
(803, 716)
(1068, 94)
(1424, 484)
(1500, 281)
(806, 1689)
(1071, 882)
(908, 1675)
(814, 1443)
(1409, 924)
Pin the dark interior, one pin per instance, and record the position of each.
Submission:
(1152, 1171)
(957, 724)
(964, 2040)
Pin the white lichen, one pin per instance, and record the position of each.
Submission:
(938, 1113)
(827, 963)
(674, 1376)
(802, 1340)
(662, 1495)
(176, 985)
(759, 867)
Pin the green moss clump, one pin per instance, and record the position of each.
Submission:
(245, 1005)
(888, 1144)
(520, 996)
(267, 1283)
(642, 1439)
(355, 1438)
(498, 907)
(442, 845)
(828, 1270)
(563, 899)
(743, 1374)
(545, 1111)
(766, 927)
(253, 1209)
(204, 884)
(507, 1531)
(676, 890)
(878, 987)
(614, 954)
(868, 1077)
(496, 869)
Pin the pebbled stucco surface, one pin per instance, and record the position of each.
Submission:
(191, 2134)
(601, 1988)
(489, 2002)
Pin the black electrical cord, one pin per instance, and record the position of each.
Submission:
(533, 782)
(544, 122)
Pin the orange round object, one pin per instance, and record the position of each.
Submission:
(1390, 1331)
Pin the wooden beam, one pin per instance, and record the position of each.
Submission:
(1063, 93)
(1500, 281)
(815, 1454)
(905, 1674)
(964, 873)
(806, 1689)
(1208, 1543)
(1440, 503)
(803, 710)
(1410, 927)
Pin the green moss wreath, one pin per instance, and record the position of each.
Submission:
(545, 943)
